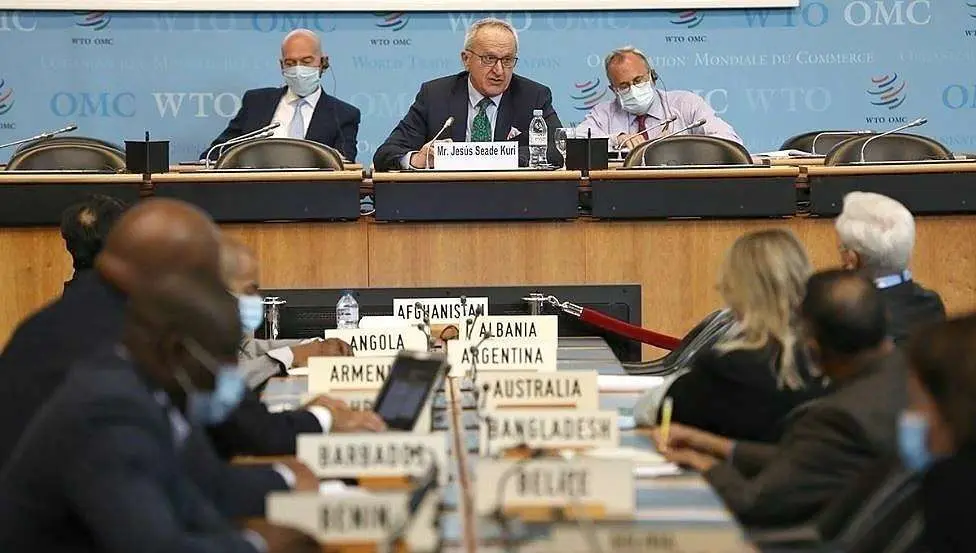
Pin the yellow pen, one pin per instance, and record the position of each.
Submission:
(666, 410)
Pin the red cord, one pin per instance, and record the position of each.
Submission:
(630, 331)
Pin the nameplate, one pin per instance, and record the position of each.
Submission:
(365, 400)
(385, 454)
(438, 310)
(327, 374)
(510, 327)
(501, 355)
(626, 537)
(475, 156)
(548, 429)
(347, 516)
(372, 342)
(561, 389)
(552, 482)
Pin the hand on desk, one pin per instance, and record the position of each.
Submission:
(330, 347)
(685, 457)
(305, 479)
(629, 144)
(427, 152)
(681, 437)
(280, 539)
(345, 419)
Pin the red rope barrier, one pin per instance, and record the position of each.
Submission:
(642, 335)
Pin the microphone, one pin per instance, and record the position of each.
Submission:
(447, 123)
(695, 125)
(916, 123)
(474, 355)
(42, 136)
(664, 123)
(263, 131)
(813, 146)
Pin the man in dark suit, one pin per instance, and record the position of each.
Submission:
(101, 467)
(877, 236)
(302, 107)
(487, 101)
(84, 227)
(829, 441)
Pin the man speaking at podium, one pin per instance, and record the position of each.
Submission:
(485, 103)
(302, 107)
(639, 105)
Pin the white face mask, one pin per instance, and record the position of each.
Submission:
(302, 79)
(638, 99)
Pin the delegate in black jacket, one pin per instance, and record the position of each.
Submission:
(448, 97)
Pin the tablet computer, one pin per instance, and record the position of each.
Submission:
(413, 377)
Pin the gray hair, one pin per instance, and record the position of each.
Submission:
(305, 33)
(879, 229)
(619, 53)
(487, 22)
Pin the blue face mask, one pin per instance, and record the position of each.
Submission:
(252, 312)
(913, 432)
(302, 79)
(211, 407)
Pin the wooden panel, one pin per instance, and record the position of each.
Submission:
(33, 268)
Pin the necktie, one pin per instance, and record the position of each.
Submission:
(642, 126)
(480, 127)
(296, 129)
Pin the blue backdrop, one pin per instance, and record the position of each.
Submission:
(861, 64)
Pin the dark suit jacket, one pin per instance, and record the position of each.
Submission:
(448, 96)
(87, 318)
(910, 306)
(334, 122)
(735, 394)
(948, 488)
(99, 469)
(828, 443)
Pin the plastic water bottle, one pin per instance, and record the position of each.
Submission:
(538, 140)
(347, 311)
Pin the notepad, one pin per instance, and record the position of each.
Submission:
(626, 383)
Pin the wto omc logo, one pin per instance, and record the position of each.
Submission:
(93, 21)
(393, 21)
(688, 18)
(588, 94)
(6, 97)
(887, 91)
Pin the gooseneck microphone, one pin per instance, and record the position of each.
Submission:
(695, 125)
(263, 132)
(447, 123)
(916, 123)
(42, 136)
(813, 146)
(664, 123)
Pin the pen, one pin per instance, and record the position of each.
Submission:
(666, 410)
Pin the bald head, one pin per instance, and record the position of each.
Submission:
(844, 313)
(238, 266)
(302, 47)
(157, 237)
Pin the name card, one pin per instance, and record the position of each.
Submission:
(328, 374)
(524, 327)
(385, 454)
(548, 429)
(501, 355)
(555, 483)
(438, 310)
(365, 400)
(373, 342)
(624, 537)
(565, 389)
(474, 156)
(348, 516)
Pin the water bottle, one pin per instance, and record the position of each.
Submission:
(538, 140)
(347, 311)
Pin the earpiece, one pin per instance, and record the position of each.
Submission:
(653, 74)
(325, 62)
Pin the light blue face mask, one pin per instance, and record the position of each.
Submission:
(302, 79)
(913, 433)
(252, 311)
(208, 408)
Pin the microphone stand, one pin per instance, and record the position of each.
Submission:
(263, 132)
(664, 123)
(42, 136)
(813, 146)
(916, 123)
(447, 123)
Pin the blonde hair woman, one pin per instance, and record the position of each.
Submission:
(744, 386)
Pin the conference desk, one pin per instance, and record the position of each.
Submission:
(669, 504)
(675, 261)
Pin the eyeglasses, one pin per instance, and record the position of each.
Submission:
(508, 62)
(624, 87)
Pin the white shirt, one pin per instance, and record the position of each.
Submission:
(286, 110)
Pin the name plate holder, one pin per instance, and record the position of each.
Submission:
(389, 460)
(374, 342)
(476, 156)
(554, 429)
(471, 357)
(498, 391)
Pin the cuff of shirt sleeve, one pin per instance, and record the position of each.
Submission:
(405, 160)
(283, 355)
(323, 415)
(731, 452)
(286, 474)
(256, 541)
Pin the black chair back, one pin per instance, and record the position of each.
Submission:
(67, 157)
(280, 153)
(818, 142)
(893, 147)
(689, 150)
(701, 338)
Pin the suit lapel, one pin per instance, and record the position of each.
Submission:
(458, 109)
(506, 114)
(319, 124)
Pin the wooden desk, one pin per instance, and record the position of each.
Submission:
(188, 168)
(39, 199)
